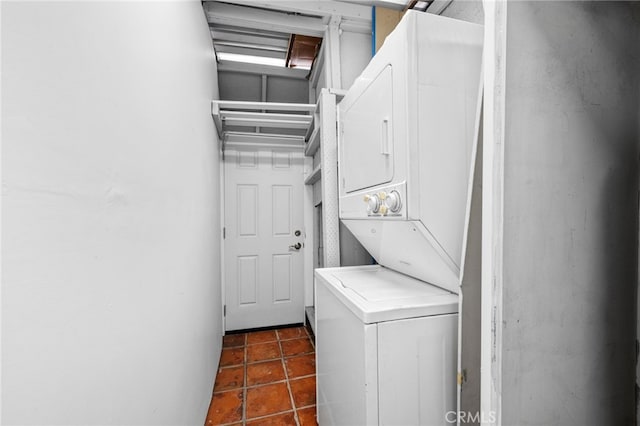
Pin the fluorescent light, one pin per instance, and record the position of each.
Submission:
(250, 59)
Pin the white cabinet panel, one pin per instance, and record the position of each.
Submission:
(368, 135)
(247, 159)
(282, 269)
(417, 370)
(346, 351)
(281, 206)
(247, 279)
(247, 210)
(280, 160)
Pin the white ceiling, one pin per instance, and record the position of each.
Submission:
(262, 28)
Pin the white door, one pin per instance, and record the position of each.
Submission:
(263, 238)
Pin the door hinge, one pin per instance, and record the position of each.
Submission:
(224, 310)
(224, 232)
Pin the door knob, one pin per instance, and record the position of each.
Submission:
(296, 246)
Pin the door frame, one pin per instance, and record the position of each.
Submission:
(309, 237)
(222, 206)
(494, 67)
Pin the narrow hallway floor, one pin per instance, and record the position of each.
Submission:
(265, 378)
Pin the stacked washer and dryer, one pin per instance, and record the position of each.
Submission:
(386, 334)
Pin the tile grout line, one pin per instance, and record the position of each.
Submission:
(278, 358)
(244, 383)
(286, 375)
(266, 416)
(313, 340)
(287, 379)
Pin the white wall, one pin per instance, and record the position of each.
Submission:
(570, 213)
(253, 87)
(355, 54)
(240, 86)
(465, 10)
(110, 230)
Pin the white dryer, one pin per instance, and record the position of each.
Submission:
(406, 132)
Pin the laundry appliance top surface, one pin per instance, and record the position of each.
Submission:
(376, 294)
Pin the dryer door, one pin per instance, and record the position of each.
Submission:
(367, 135)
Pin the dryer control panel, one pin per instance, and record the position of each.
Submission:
(383, 203)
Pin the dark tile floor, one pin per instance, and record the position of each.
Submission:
(265, 378)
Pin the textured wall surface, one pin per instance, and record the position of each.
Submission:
(110, 222)
(571, 213)
(465, 10)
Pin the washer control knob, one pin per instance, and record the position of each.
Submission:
(383, 210)
(367, 198)
(382, 195)
(373, 203)
(393, 201)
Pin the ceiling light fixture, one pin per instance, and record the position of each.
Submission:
(250, 59)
